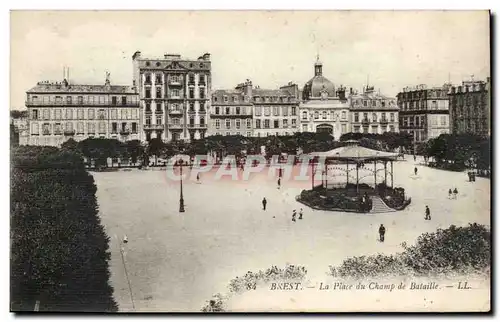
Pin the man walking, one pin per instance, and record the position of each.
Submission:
(449, 194)
(455, 193)
(427, 213)
(264, 203)
(294, 215)
(415, 170)
(198, 178)
(381, 232)
(279, 183)
(300, 213)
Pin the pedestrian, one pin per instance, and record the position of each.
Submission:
(381, 232)
(125, 239)
(279, 183)
(300, 213)
(294, 215)
(414, 158)
(427, 213)
(264, 203)
(449, 194)
(198, 178)
(415, 170)
(455, 193)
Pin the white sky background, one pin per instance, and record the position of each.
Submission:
(395, 49)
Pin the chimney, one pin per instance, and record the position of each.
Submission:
(136, 55)
(206, 56)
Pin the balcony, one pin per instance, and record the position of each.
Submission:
(69, 132)
(78, 103)
(148, 111)
(190, 111)
(158, 82)
(175, 112)
(197, 126)
(154, 127)
(384, 121)
(173, 82)
(174, 126)
(124, 132)
(365, 122)
(191, 83)
(158, 111)
(202, 84)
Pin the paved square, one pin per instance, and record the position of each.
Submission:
(176, 261)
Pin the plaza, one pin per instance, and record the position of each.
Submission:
(176, 261)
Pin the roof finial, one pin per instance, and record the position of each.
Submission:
(317, 56)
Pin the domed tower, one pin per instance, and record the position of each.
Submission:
(318, 87)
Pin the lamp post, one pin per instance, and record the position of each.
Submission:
(181, 200)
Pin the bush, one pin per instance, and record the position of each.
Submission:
(452, 250)
(59, 250)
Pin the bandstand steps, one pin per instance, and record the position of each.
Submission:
(379, 206)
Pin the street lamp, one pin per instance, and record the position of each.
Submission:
(181, 200)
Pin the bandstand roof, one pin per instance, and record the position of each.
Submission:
(355, 153)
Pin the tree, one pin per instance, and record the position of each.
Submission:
(155, 147)
(59, 250)
(134, 150)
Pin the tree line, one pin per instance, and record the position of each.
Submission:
(59, 249)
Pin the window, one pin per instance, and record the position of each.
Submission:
(191, 79)
(202, 135)
(266, 123)
(228, 124)
(392, 117)
(46, 114)
(113, 100)
(57, 114)
(228, 110)
(158, 78)
(102, 114)
(374, 103)
(191, 106)
(159, 119)
(134, 127)
(285, 123)
(191, 93)
(276, 111)
(175, 93)
(316, 115)
(102, 127)
(225, 98)
(90, 128)
(383, 117)
(235, 99)
(113, 114)
(202, 106)
(356, 117)
(324, 115)
(237, 110)
(249, 123)
(217, 110)
(294, 110)
(68, 100)
(228, 133)
(217, 124)
(114, 128)
(243, 110)
(257, 124)
(365, 116)
(79, 128)
(344, 115)
(158, 108)
(177, 121)
(238, 123)
(148, 79)
(383, 103)
(267, 111)
(344, 128)
(148, 93)
(434, 105)
(365, 103)
(294, 122)
(374, 117)
(79, 113)
(124, 100)
(46, 129)
(356, 129)
(304, 127)
(249, 134)
(34, 114)
(201, 80)
(35, 130)
(148, 120)
(257, 99)
(258, 110)
(91, 114)
(148, 107)
(374, 129)
(158, 92)
(69, 126)
(276, 124)
(443, 120)
(202, 93)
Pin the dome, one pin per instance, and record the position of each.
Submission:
(318, 86)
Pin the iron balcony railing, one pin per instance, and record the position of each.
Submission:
(80, 103)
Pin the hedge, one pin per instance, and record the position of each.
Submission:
(59, 249)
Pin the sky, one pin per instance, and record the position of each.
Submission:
(391, 49)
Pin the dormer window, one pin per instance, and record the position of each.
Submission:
(225, 98)
(235, 99)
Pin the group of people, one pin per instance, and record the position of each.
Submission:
(452, 194)
(294, 214)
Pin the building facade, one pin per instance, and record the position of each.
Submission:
(174, 96)
(275, 111)
(231, 112)
(372, 112)
(470, 110)
(424, 112)
(59, 111)
(324, 108)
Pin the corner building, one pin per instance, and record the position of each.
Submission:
(62, 110)
(174, 96)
